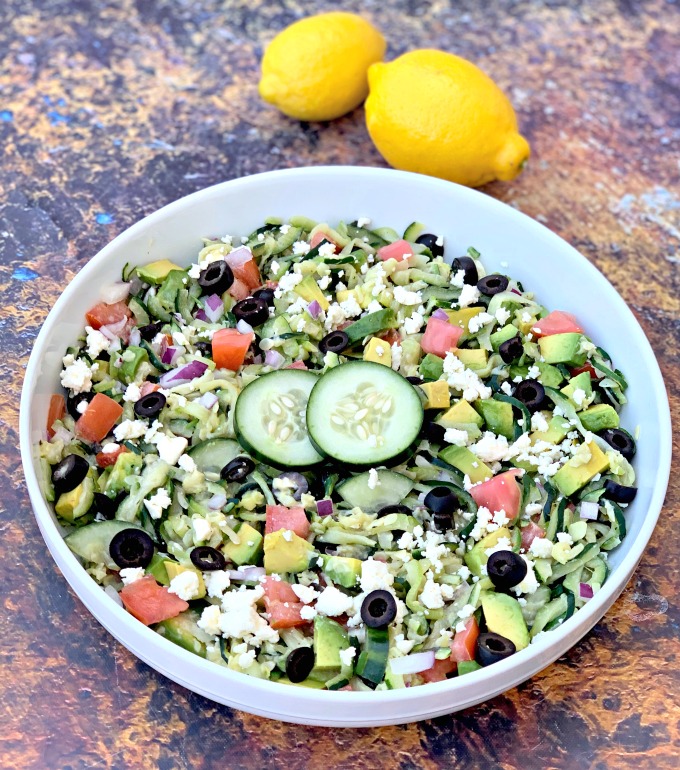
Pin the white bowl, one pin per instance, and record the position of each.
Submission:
(508, 241)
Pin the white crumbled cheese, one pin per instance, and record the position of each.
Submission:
(195, 271)
(131, 574)
(502, 315)
(335, 315)
(306, 594)
(170, 448)
(503, 544)
(324, 281)
(506, 387)
(76, 375)
(333, 602)
(240, 619)
(532, 509)
(110, 448)
(326, 249)
(468, 295)
(373, 479)
(541, 548)
(458, 278)
(501, 518)
(455, 436)
(375, 575)
(157, 503)
(434, 549)
(396, 356)
(526, 317)
(403, 645)
(581, 456)
(284, 229)
(132, 393)
(96, 342)
(431, 595)
(363, 222)
(490, 448)
(210, 620)
(152, 431)
(464, 380)
(463, 572)
(538, 422)
(405, 297)
(202, 529)
(534, 372)
(130, 429)
(246, 659)
(406, 542)
(185, 585)
(347, 656)
(81, 408)
(308, 613)
(350, 307)
(300, 248)
(216, 582)
(287, 282)
(274, 267)
(373, 307)
(530, 583)
(466, 611)
(483, 524)
(479, 320)
(287, 535)
(413, 324)
(186, 463)
(578, 396)
(565, 537)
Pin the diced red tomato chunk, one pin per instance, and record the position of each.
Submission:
(282, 604)
(297, 365)
(239, 290)
(440, 337)
(464, 644)
(587, 367)
(501, 492)
(97, 420)
(104, 459)
(105, 315)
(244, 268)
(56, 411)
(319, 237)
(529, 533)
(280, 517)
(399, 250)
(150, 602)
(229, 348)
(278, 590)
(439, 671)
(149, 387)
(557, 322)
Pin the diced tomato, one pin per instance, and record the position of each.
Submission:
(282, 604)
(56, 411)
(98, 419)
(464, 644)
(530, 532)
(239, 290)
(105, 315)
(150, 602)
(320, 237)
(278, 590)
(391, 336)
(501, 492)
(399, 250)
(296, 365)
(244, 268)
(149, 387)
(587, 367)
(280, 517)
(104, 459)
(439, 671)
(440, 337)
(557, 322)
(229, 348)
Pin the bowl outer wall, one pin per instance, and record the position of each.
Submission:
(559, 275)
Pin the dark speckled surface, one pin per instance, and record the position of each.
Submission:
(108, 110)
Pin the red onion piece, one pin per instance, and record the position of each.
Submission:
(171, 354)
(589, 510)
(213, 308)
(413, 664)
(208, 400)
(247, 573)
(585, 591)
(324, 507)
(216, 502)
(297, 365)
(274, 359)
(238, 257)
(439, 313)
(114, 331)
(115, 292)
(200, 315)
(182, 374)
(314, 308)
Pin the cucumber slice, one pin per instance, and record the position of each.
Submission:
(92, 541)
(413, 231)
(212, 455)
(361, 413)
(270, 419)
(391, 489)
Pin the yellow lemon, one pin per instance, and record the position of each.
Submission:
(316, 69)
(435, 113)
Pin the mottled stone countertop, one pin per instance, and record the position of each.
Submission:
(109, 110)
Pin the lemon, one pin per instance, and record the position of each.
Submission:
(316, 69)
(438, 114)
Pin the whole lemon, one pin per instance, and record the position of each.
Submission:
(316, 69)
(435, 113)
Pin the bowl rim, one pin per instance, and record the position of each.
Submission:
(535, 657)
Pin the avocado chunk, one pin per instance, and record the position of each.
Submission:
(343, 570)
(173, 569)
(156, 272)
(248, 548)
(467, 667)
(474, 358)
(378, 351)
(76, 503)
(184, 631)
(284, 551)
(497, 416)
(462, 317)
(599, 417)
(309, 290)
(580, 382)
(557, 431)
(563, 349)
(550, 375)
(431, 367)
(466, 462)
(571, 477)
(461, 413)
(127, 464)
(370, 324)
(166, 298)
(157, 569)
(503, 615)
(503, 335)
(437, 393)
(330, 639)
(477, 558)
